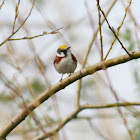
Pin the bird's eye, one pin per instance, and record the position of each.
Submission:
(59, 51)
(62, 51)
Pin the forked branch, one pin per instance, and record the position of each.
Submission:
(61, 85)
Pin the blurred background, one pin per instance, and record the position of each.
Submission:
(26, 67)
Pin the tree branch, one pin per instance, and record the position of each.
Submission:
(75, 113)
(100, 29)
(61, 85)
(19, 26)
(2, 4)
(113, 31)
(117, 32)
(32, 37)
(77, 101)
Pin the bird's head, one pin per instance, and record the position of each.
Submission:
(63, 50)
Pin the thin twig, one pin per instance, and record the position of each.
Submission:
(43, 34)
(101, 40)
(6, 82)
(2, 4)
(50, 24)
(16, 15)
(79, 83)
(117, 32)
(61, 85)
(27, 84)
(119, 110)
(96, 130)
(89, 15)
(19, 26)
(91, 21)
(75, 113)
(41, 68)
(113, 31)
(136, 26)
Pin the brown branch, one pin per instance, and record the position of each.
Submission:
(16, 15)
(113, 31)
(44, 33)
(41, 67)
(77, 101)
(61, 85)
(19, 26)
(100, 29)
(136, 25)
(117, 32)
(96, 130)
(89, 15)
(119, 110)
(2, 4)
(19, 88)
(136, 28)
(77, 110)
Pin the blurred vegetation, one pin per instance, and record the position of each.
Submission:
(137, 79)
(75, 20)
(88, 90)
(136, 130)
(127, 36)
(38, 86)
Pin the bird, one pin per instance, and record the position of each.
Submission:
(65, 61)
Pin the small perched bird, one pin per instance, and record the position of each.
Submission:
(65, 61)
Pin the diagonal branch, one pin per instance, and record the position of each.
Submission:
(117, 32)
(61, 85)
(113, 31)
(119, 110)
(19, 26)
(32, 37)
(2, 4)
(77, 101)
(75, 113)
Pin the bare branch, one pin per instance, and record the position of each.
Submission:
(119, 110)
(2, 4)
(44, 33)
(113, 31)
(61, 85)
(126, 10)
(19, 26)
(75, 113)
(87, 53)
(101, 40)
(16, 15)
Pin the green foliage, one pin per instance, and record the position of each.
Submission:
(127, 36)
(41, 2)
(137, 78)
(136, 130)
(29, 122)
(38, 86)
(136, 126)
(5, 98)
(88, 87)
